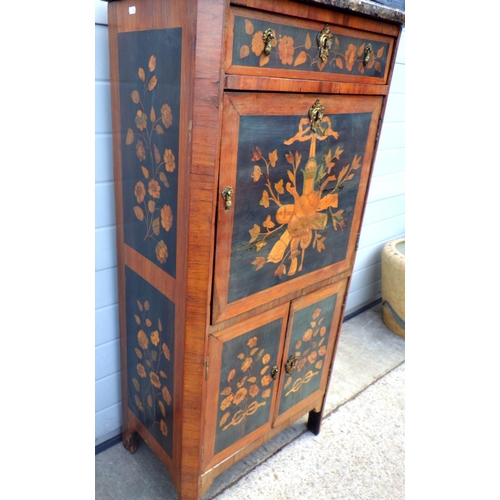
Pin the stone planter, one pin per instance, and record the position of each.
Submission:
(393, 285)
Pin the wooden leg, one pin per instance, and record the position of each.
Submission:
(131, 441)
(314, 422)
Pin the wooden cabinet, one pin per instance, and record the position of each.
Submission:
(244, 135)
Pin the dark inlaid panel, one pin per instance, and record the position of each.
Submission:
(246, 384)
(296, 193)
(150, 363)
(149, 66)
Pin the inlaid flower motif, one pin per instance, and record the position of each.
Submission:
(141, 120)
(169, 159)
(140, 151)
(155, 338)
(286, 50)
(240, 395)
(226, 403)
(307, 335)
(140, 191)
(252, 342)
(254, 390)
(167, 217)
(155, 380)
(141, 371)
(161, 252)
(258, 43)
(154, 188)
(166, 115)
(142, 338)
(266, 380)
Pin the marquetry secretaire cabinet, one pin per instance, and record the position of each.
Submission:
(244, 135)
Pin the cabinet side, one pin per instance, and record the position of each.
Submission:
(151, 57)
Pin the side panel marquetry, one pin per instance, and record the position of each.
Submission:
(149, 65)
(150, 319)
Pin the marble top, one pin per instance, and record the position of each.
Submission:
(366, 7)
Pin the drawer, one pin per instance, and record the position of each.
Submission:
(291, 196)
(268, 44)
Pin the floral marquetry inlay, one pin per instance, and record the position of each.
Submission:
(309, 339)
(150, 100)
(246, 384)
(301, 223)
(298, 48)
(150, 345)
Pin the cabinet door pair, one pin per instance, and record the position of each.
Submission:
(268, 369)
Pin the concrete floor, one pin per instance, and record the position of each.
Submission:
(365, 402)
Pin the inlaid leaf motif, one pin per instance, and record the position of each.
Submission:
(162, 408)
(249, 28)
(130, 137)
(145, 172)
(139, 213)
(301, 58)
(136, 98)
(308, 43)
(142, 74)
(152, 83)
(152, 63)
(254, 233)
(157, 154)
(156, 226)
(151, 206)
(244, 51)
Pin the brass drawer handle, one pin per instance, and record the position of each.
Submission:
(227, 194)
(324, 39)
(291, 364)
(368, 53)
(316, 114)
(268, 38)
(274, 372)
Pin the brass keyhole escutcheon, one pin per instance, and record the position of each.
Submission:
(368, 53)
(291, 364)
(227, 194)
(324, 39)
(274, 372)
(268, 37)
(316, 114)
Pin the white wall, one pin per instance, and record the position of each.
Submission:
(384, 220)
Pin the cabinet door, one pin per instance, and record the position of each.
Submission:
(297, 169)
(310, 341)
(243, 371)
